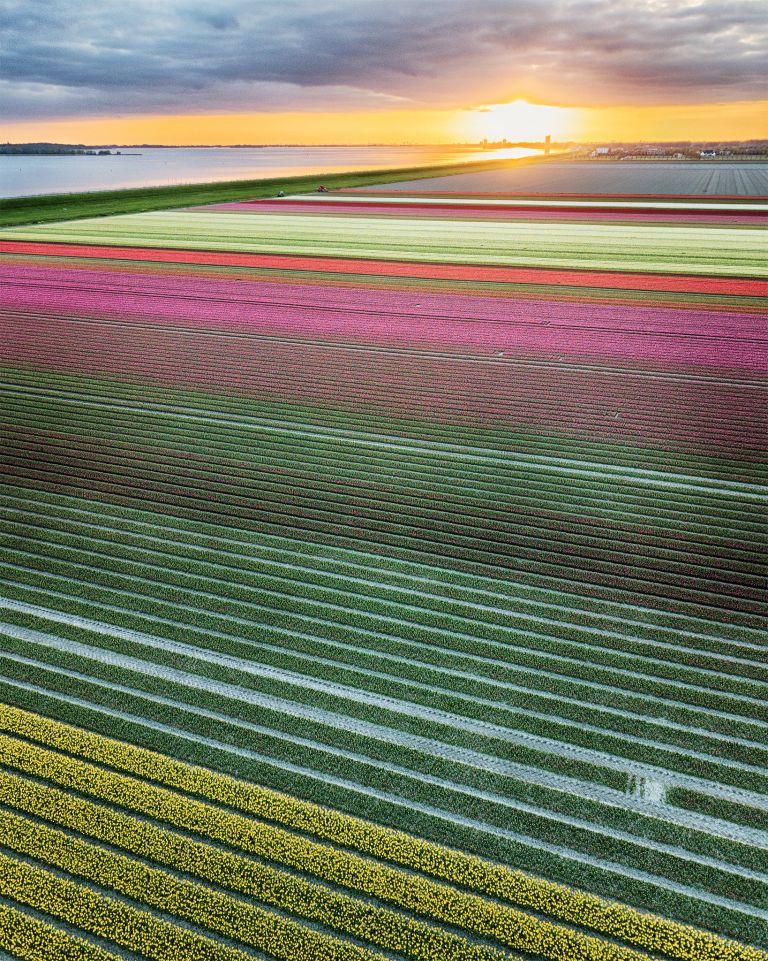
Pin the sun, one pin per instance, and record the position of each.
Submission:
(518, 120)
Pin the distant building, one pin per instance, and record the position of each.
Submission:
(547, 144)
(708, 153)
(600, 152)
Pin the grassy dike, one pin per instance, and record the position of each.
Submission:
(15, 211)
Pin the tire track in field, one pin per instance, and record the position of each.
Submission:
(670, 778)
(618, 760)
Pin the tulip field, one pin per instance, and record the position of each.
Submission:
(382, 577)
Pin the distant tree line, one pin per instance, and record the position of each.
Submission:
(66, 149)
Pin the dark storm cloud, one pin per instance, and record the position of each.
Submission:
(90, 57)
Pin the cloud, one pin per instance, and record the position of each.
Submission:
(70, 58)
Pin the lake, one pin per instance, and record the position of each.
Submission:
(27, 175)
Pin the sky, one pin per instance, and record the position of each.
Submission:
(390, 71)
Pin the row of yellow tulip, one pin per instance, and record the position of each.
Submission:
(109, 918)
(437, 901)
(388, 929)
(34, 940)
(267, 931)
(555, 900)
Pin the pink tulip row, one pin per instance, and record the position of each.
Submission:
(410, 385)
(665, 338)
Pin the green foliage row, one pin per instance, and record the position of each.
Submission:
(408, 535)
(613, 452)
(402, 719)
(257, 624)
(648, 625)
(137, 431)
(327, 533)
(378, 513)
(148, 426)
(331, 450)
(507, 635)
(717, 807)
(231, 575)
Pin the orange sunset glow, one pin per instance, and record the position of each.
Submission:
(340, 71)
(513, 121)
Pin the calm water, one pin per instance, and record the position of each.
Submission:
(21, 176)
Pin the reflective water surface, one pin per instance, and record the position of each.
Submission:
(26, 175)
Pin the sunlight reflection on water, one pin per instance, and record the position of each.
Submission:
(27, 175)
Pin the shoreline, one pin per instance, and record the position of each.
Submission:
(45, 208)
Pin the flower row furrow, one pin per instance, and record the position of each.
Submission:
(189, 901)
(108, 918)
(389, 929)
(31, 939)
(436, 901)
